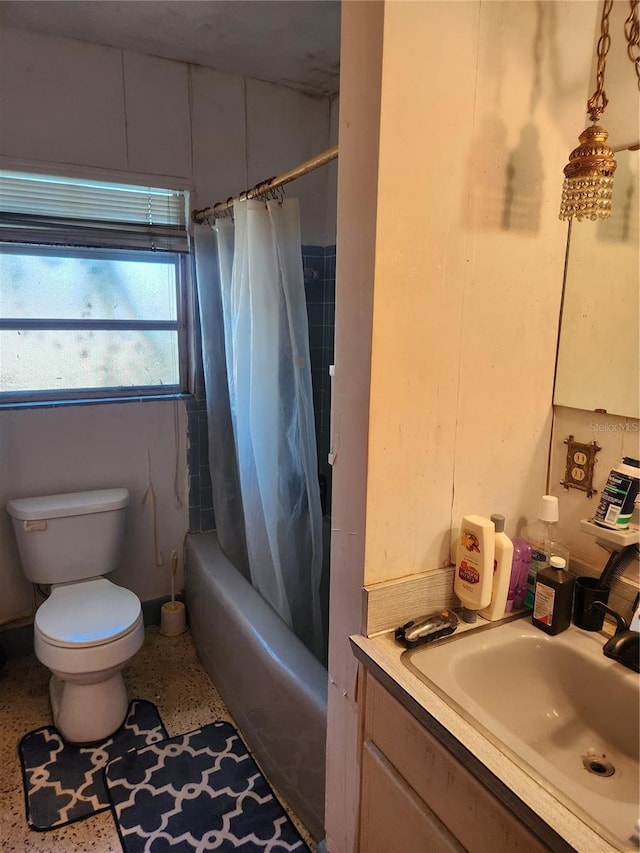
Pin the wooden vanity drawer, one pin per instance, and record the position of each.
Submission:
(393, 817)
(476, 818)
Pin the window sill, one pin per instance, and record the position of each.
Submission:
(93, 401)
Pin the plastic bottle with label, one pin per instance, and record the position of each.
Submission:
(619, 495)
(553, 597)
(502, 562)
(519, 574)
(473, 578)
(542, 537)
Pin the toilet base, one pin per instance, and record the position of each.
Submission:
(85, 713)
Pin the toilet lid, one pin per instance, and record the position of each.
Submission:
(87, 613)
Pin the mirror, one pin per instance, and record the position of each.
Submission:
(599, 347)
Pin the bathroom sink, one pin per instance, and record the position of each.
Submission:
(565, 713)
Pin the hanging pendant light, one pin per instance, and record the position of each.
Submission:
(588, 176)
(588, 181)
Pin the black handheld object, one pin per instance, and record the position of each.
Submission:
(428, 628)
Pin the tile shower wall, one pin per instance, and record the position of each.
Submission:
(319, 264)
(201, 517)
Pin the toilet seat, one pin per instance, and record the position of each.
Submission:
(86, 614)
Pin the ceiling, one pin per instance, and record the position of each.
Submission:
(291, 42)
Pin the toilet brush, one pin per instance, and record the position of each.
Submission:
(173, 619)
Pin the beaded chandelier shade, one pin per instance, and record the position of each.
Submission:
(588, 176)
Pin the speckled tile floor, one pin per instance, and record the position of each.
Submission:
(166, 671)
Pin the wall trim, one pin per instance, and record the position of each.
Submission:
(388, 604)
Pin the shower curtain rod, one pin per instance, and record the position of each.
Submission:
(270, 184)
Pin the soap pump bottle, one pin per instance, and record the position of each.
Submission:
(502, 563)
(553, 597)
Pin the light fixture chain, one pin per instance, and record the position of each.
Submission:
(597, 103)
(632, 32)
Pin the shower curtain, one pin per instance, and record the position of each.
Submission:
(271, 446)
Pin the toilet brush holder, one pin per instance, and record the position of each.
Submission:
(173, 619)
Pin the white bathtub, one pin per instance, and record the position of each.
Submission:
(273, 686)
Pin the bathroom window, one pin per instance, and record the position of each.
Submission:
(92, 289)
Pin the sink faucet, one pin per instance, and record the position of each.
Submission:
(624, 646)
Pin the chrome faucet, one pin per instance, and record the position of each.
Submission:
(624, 646)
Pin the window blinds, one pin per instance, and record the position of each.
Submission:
(49, 210)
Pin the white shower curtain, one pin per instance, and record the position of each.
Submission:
(270, 395)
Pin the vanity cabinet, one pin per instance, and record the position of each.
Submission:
(416, 797)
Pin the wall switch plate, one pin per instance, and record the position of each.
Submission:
(581, 459)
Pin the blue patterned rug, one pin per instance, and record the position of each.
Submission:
(197, 792)
(63, 782)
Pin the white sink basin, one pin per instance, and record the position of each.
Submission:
(564, 712)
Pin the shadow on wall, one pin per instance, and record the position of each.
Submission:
(622, 227)
(503, 188)
(523, 196)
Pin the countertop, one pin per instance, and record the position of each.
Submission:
(538, 808)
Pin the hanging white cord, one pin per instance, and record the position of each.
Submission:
(150, 493)
(177, 491)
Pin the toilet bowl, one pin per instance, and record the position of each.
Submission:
(88, 628)
(85, 633)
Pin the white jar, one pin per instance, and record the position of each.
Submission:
(619, 495)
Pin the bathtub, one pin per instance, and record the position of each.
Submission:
(272, 685)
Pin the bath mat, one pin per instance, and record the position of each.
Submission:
(64, 783)
(197, 792)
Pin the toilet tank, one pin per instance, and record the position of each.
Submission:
(70, 537)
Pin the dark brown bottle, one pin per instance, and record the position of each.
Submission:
(554, 597)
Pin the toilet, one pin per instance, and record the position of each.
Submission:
(88, 628)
